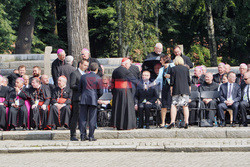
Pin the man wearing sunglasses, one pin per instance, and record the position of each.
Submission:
(245, 100)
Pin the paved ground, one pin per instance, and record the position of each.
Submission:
(127, 159)
(149, 144)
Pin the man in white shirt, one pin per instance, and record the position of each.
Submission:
(230, 95)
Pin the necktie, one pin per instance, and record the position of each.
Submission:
(230, 90)
(248, 93)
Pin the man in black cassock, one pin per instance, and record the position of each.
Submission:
(18, 112)
(123, 112)
(60, 105)
(40, 99)
(209, 85)
(56, 64)
(4, 94)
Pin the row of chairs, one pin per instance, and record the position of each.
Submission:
(195, 95)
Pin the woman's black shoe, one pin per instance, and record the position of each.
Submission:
(171, 126)
(186, 126)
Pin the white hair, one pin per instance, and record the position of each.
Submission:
(158, 45)
(69, 59)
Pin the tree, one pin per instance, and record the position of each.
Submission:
(77, 24)
(25, 30)
(211, 33)
(7, 36)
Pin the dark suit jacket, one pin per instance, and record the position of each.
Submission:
(90, 87)
(150, 95)
(195, 80)
(236, 92)
(75, 78)
(242, 91)
(186, 60)
(240, 80)
(135, 71)
(12, 79)
(180, 80)
(66, 70)
(217, 78)
(91, 60)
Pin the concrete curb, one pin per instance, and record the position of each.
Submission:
(242, 148)
(132, 134)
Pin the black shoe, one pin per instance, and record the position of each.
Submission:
(83, 138)
(92, 139)
(233, 124)
(172, 125)
(222, 124)
(245, 125)
(186, 126)
(73, 138)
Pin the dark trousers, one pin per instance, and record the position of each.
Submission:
(74, 118)
(222, 107)
(144, 107)
(243, 111)
(211, 113)
(193, 113)
(86, 110)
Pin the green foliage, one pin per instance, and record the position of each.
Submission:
(199, 55)
(7, 36)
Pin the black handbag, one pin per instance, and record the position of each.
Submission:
(206, 123)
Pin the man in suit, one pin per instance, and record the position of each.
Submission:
(12, 77)
(75, 78)
(245, 100)
(67, 68)
(90, 87)
(240, 76)
(86, 55)
(187, 61)
(230, 95)
(221, 71)
(145, 99)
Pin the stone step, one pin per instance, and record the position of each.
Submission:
(149, 144)
(109, 133)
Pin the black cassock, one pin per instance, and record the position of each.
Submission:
(123, 113)
(60, 117)
(17, 116)
(55, 69)
(38, 115)
(4, 94)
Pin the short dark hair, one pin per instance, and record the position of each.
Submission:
(166, 58)
(38, 67)
(93, 66)
(82, 61)
(177, 46)
(21, 66)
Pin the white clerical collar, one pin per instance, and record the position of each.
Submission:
(82, 72)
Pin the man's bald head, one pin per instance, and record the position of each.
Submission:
(209, 77)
